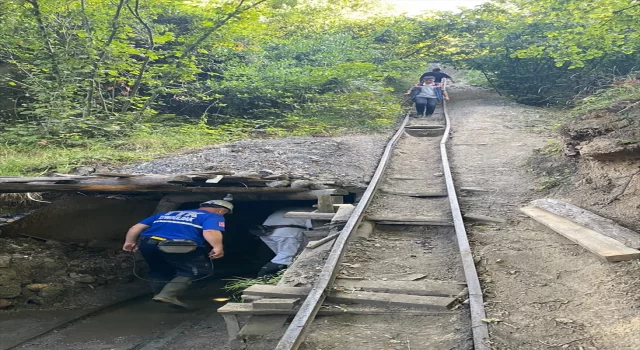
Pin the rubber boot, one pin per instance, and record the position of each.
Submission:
(172, 290)
(270, 269)
(156, 286)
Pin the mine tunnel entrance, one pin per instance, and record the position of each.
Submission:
(244, 252)
(75, 243)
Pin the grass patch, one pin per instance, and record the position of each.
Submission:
(42, 157)
(237, 285)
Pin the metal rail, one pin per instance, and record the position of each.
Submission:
(476, 303)
(296, 332)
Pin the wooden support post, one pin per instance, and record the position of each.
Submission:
(324, 204)
(233, 327)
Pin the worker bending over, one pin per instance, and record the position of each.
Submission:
(174, 244)
(285, 237)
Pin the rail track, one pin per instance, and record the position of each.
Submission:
(361, 328)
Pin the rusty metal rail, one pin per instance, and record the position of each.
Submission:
(296, 332)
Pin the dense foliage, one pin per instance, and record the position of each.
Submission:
(98, 80)
(547, 51)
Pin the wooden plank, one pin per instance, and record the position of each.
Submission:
(483, 218)
(316, 244)
(389, 299)
(281, 304)
(56, 179)
(297, 329)
(416, 223)
(590, 220)
(270, 291)
(233, 327)
(424, 287)
(314, 215)
(215, 180)
(403, 218)
(343, 213)
(604, 247)
(263, 324)
(418, 194)
(325, 205)
(328, 310)
(355, 297)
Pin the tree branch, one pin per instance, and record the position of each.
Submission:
(189, 49)
(49, 47)
(101, 56)
(145, 63)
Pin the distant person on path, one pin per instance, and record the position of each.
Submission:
(437, 74)
(426, 95)
(174, 245)
(285, 237)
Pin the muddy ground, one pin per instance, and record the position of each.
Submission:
(542, 291)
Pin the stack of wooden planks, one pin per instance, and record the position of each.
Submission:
(353, 296)
(603, 237)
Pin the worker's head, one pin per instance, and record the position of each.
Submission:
(436, 70)
(217, 206)
(428, 80)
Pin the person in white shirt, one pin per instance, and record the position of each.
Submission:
(285, 237)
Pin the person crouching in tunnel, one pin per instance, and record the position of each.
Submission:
(173, 245)
(285, 237)
(426, 95)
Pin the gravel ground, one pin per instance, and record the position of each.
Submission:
(351, 158)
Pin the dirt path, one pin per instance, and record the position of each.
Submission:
(547, 292)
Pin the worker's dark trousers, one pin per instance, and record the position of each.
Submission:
(425, 106)
(165, 266)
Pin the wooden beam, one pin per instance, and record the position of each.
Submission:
(590, 220)
(281, 304)
(325, 205)
(483, 218)
(355, 297)
(327, 310)
(56, 179)
(604, 247)
(343, 214)
(423, 287)
(408, 220)
(418, 194)
(314, 215)
(415, 223)
(263, 324)
(233, 327)
(316, 244)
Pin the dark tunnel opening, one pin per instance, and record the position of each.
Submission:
(244, 252)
